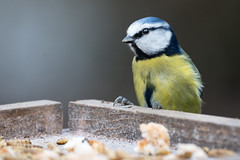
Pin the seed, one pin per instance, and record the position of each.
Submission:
(62, 141)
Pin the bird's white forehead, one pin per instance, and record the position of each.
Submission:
(136, 26)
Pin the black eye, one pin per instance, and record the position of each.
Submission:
(145, 31)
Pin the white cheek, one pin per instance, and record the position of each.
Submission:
(154, 42)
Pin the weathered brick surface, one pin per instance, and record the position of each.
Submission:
(101, 118)
(30, 118)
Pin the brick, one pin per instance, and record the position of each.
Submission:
(101, 118)
(30, 118)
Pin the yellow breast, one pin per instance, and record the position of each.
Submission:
(175, 80)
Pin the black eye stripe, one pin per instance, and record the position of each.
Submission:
(140, 34)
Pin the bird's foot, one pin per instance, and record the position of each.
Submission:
(157, 105)
(123, 101)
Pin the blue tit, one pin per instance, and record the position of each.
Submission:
(164, 75)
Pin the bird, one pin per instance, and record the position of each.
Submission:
(164, 75)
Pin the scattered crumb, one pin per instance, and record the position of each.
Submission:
(47, 155)
(156, 140)
(221, 153)
(3, 143)
(206, 149)
(78, 145)
(155, 145)
(18, 142)
(53, 147)
(187, 151)
(97, 146)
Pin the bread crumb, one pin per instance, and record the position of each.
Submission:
(187, 151)
(221, 153)
(78, 145)
(156, 140)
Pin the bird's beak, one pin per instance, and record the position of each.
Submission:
(128, 39)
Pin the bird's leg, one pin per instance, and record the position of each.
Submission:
(157, 105)
(124, 102)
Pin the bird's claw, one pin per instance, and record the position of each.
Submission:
(122, 100)
(157, 105)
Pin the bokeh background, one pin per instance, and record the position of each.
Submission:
(67, 50)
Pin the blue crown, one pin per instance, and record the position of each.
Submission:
(150, 20)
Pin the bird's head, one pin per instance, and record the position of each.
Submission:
(150, 37)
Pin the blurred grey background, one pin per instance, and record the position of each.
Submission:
(67, 50)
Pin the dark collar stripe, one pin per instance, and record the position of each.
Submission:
(172, 49)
